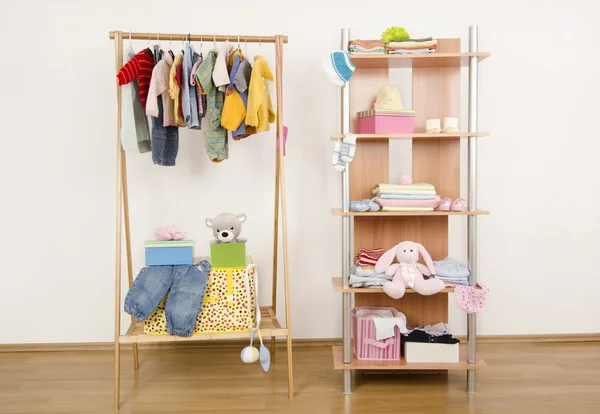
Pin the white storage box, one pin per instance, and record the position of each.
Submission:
(430, 352)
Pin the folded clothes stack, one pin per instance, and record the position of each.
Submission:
(366, 47)
(451, 270)
(412, 46)
(367, 277)
(406, 197)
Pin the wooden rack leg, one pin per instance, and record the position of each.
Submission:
(284, 218)
(275, 251)
(120, 156)
(136, 362)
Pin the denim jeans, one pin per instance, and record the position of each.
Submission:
(187, 285)
(165, 140)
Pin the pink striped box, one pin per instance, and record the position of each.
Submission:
(366, 346)
(386, 124)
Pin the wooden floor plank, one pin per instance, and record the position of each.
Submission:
(520, 378)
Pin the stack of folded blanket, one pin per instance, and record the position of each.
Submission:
(451, 270)
(367, 277)
(363, 272)
(406, 197)
(366, 47)
(412, 46)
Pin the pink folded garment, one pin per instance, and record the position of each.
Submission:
(395, 202)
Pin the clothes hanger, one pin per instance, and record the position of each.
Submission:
(200, 45)
(170, 47)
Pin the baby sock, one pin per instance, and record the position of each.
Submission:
(348, 147)
(338, 164)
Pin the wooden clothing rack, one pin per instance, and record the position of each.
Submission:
(269, 325)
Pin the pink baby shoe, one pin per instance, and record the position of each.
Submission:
(168, 233)
(445, 204)
(460, 204)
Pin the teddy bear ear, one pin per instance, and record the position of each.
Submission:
(208, 222)
(241, 217)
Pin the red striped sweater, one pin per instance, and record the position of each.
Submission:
(140, 68)
(368, 257)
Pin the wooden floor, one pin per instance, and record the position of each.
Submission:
(521, 378)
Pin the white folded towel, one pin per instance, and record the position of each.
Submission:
(384, 327)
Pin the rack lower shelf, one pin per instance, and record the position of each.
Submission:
(401, 364)
(339, 212)
(269, 326)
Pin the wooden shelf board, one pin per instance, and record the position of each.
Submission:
(433, 60)
(336, 282)
(269, 326)
(339, 212)
(415, 135)
(401, 364)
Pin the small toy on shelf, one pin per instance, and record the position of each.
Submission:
(407, 272)
(227, 228)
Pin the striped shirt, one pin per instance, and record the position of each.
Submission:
(368, 257)
(140, 68)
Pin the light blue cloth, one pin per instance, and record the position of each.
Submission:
(189, 101)
(407, 196)
(451, 268)
(360, 272)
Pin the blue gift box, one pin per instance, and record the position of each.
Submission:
(166, 253)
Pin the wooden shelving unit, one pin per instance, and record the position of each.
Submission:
(436, 159)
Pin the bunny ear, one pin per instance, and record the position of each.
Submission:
(426, 258)
(386, 260)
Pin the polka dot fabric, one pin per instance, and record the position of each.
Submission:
(469, 299)
(225, 305)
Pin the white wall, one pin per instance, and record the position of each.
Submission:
(538, 95)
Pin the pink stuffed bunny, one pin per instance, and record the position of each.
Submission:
(407, 272)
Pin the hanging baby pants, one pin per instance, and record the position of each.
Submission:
(186, 286)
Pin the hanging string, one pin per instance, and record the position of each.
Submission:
(130, 44)
(214, 40)
(246, 36)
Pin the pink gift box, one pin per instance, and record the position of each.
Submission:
(366, 345)
(387, 124)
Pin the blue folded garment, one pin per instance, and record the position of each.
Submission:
(450, 267)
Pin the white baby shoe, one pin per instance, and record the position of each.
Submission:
(450, 125)
(432, 126)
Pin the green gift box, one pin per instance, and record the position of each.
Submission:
(228, 255)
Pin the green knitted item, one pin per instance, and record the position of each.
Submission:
(394, 33)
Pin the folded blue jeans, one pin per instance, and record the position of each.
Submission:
(185, 284)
